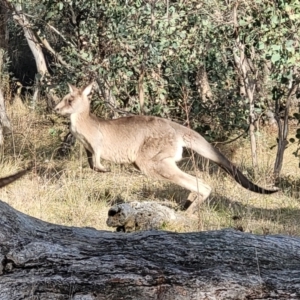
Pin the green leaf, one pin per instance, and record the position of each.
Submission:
(275, 57)
(289, 43)
(291, 60)
(49, 15)
(84, 55)
(242, 22)
(274, 20)
(52, 131)
(261, 45)
(276, 47)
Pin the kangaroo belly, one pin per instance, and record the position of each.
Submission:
(119, 155)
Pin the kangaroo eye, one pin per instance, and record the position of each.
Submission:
(70, 100)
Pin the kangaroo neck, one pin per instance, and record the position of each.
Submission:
(80, 116)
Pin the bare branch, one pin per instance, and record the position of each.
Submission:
(55, 54)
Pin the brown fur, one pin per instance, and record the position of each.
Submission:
(153, 144)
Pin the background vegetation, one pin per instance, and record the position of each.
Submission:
(224, 68)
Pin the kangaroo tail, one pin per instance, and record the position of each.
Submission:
(245, 182)
(197, 143)
(11, 178)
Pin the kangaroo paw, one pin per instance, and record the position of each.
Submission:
(102, 170)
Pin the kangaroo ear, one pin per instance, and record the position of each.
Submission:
(87, 90)
(72, 88)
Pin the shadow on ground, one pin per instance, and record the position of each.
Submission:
(240, 213)
(290, 186)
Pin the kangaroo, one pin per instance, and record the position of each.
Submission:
(152, 144)
(11, 178)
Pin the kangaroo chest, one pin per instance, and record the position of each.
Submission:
(80, 134)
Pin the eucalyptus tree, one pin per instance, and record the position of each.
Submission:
(5, 124)
(229, 60)
(267, 38)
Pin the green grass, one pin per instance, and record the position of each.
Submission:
(67, 192)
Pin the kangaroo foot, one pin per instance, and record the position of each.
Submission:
(193, 202)
(102, 169)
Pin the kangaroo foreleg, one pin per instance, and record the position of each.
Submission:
(94, 165)
(90, 158)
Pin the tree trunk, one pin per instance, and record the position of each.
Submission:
(283, 128)
(45, 261)
(249, 88)
(4, 120)
(34, 45)
(248, 85)
(5, 125)
(141, 90)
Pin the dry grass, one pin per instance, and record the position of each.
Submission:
(67, 192)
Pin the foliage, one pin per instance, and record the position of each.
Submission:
(4, 74)
(165, 44)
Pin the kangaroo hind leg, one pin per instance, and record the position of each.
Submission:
(168, 170)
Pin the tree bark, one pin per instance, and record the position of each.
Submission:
(248, 85)
(40, 260)
(31, 38)
(5, 125)
(283, 128)
(141, 90)
(33, 43)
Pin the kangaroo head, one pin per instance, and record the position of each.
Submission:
(75, 102)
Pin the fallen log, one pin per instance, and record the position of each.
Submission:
(45, 261)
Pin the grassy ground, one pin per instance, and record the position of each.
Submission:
(67, 192)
